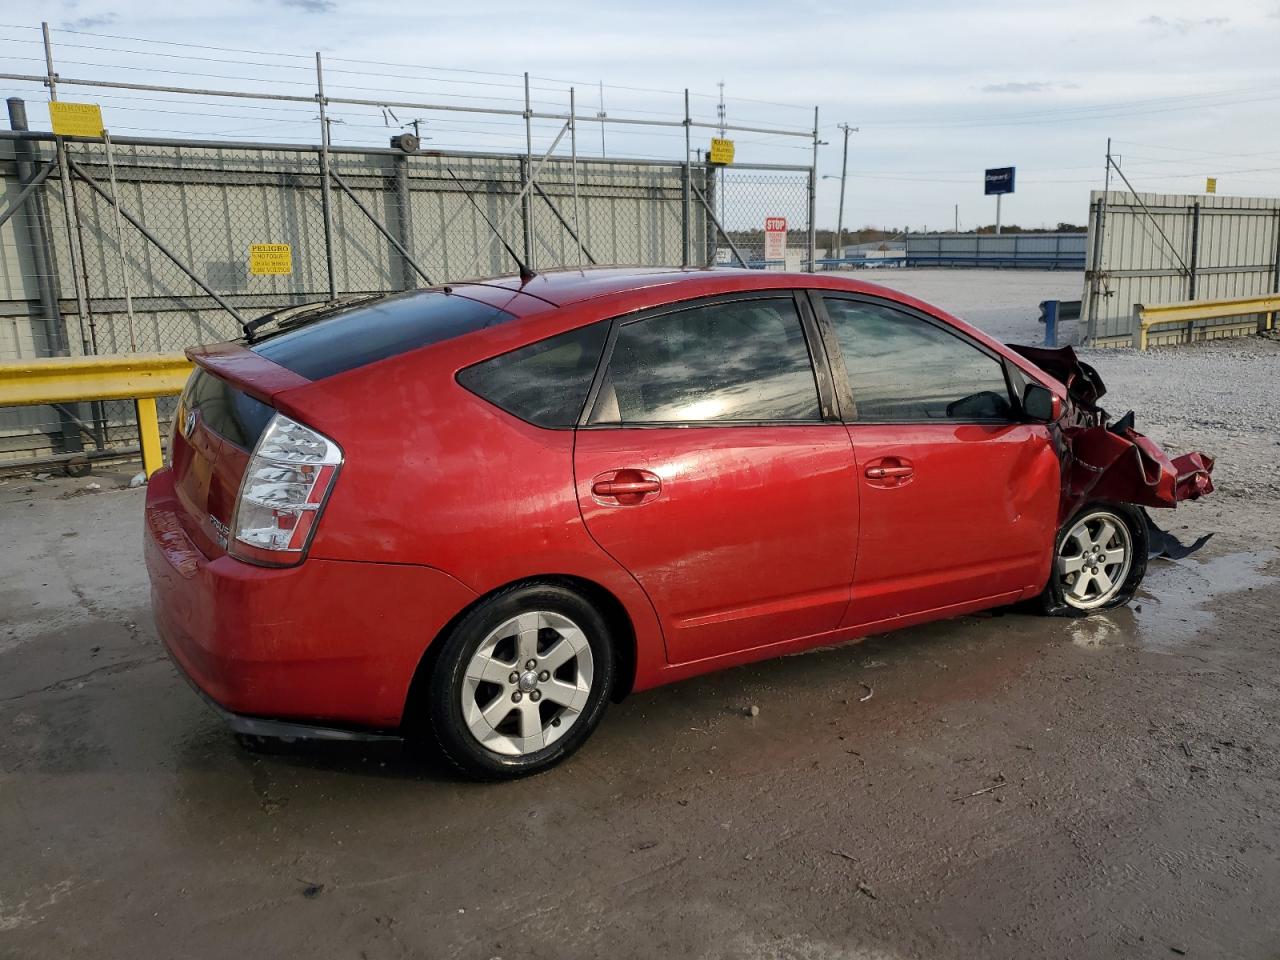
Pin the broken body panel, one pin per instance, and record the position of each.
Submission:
(1112, 461)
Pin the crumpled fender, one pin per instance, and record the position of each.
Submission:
(1119, 464)
(1114, 462)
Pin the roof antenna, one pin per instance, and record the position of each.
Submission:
(526, 274)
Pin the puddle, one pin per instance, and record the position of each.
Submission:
(1173, 597)
(1095, 632)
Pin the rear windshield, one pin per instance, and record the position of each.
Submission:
(231, 414)
(374, 332)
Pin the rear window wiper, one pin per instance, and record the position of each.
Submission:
(300, 313)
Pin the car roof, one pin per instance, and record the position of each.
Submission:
(565, 287)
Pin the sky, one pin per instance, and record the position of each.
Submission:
(938, 90)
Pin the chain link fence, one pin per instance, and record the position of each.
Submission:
(744, 200)
(169, 265)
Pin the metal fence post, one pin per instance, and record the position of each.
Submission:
(325, 199)
(711, 183)
(1195, 251)
(1098, 224)
(404, 220)
(813, 198)
(119, 229)
(685, 235)
(33, 216)
(573, 166)
(526, 203)
(76, 256)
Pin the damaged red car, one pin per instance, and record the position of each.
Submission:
(476, 514)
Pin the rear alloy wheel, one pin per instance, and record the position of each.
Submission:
(521, 682)
(527, 683)
(1100, 559)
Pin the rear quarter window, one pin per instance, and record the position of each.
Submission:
(545, 383)
(366, 334)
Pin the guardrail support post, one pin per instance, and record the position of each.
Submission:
(1050, 323)
(149, 435)
(1139, 331)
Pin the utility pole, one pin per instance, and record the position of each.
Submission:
(957, 218)
(844, 172)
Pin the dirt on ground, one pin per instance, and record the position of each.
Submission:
(993, 786)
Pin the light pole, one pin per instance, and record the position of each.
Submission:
(844, 172)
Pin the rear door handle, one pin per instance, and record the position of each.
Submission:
(627, 487)
(614, 488)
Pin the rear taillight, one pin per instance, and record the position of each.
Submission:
(285, 486)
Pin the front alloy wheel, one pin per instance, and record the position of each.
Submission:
(1099, 560)
(1094, 560)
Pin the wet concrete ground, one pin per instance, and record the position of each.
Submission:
(1014, 787)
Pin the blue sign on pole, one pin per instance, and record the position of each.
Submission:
(999, 180)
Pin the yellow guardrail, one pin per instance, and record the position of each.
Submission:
(1190, 311)
(140, 377)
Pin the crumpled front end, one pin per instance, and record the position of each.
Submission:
(1119, 464)
(1113, 462)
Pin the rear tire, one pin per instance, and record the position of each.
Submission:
(520, 682)
(1099, 560)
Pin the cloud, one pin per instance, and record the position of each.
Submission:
(1182, 25)
(311, 6)
(88, 23)
(1028, 86)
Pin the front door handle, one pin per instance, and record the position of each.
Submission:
(889, 472)
(625, 487)
(879, 473)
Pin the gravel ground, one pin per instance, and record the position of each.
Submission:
(1014, 787)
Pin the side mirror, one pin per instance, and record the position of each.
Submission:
(1040, 403)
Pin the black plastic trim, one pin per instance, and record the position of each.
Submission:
(284, 729)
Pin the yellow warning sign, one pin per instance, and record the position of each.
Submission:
(1210, 184)
(75, 119)
(267, 259)
(721, 151)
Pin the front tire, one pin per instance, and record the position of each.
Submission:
(1099, 560)
(521, 682)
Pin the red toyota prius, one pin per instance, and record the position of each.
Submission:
(478, 513)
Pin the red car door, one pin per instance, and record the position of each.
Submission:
(710, 469)
(959, 493)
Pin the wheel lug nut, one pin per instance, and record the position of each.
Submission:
(555, 722)
(535, 696)
(544, 676)
(531, 664)
(514, 678)
(517, 697)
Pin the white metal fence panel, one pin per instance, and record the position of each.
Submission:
(1153, 248)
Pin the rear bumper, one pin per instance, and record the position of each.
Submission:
(326, 649)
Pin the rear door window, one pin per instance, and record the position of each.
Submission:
(365, 334)
(545, 383)
(737, 361)
(903, 368)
